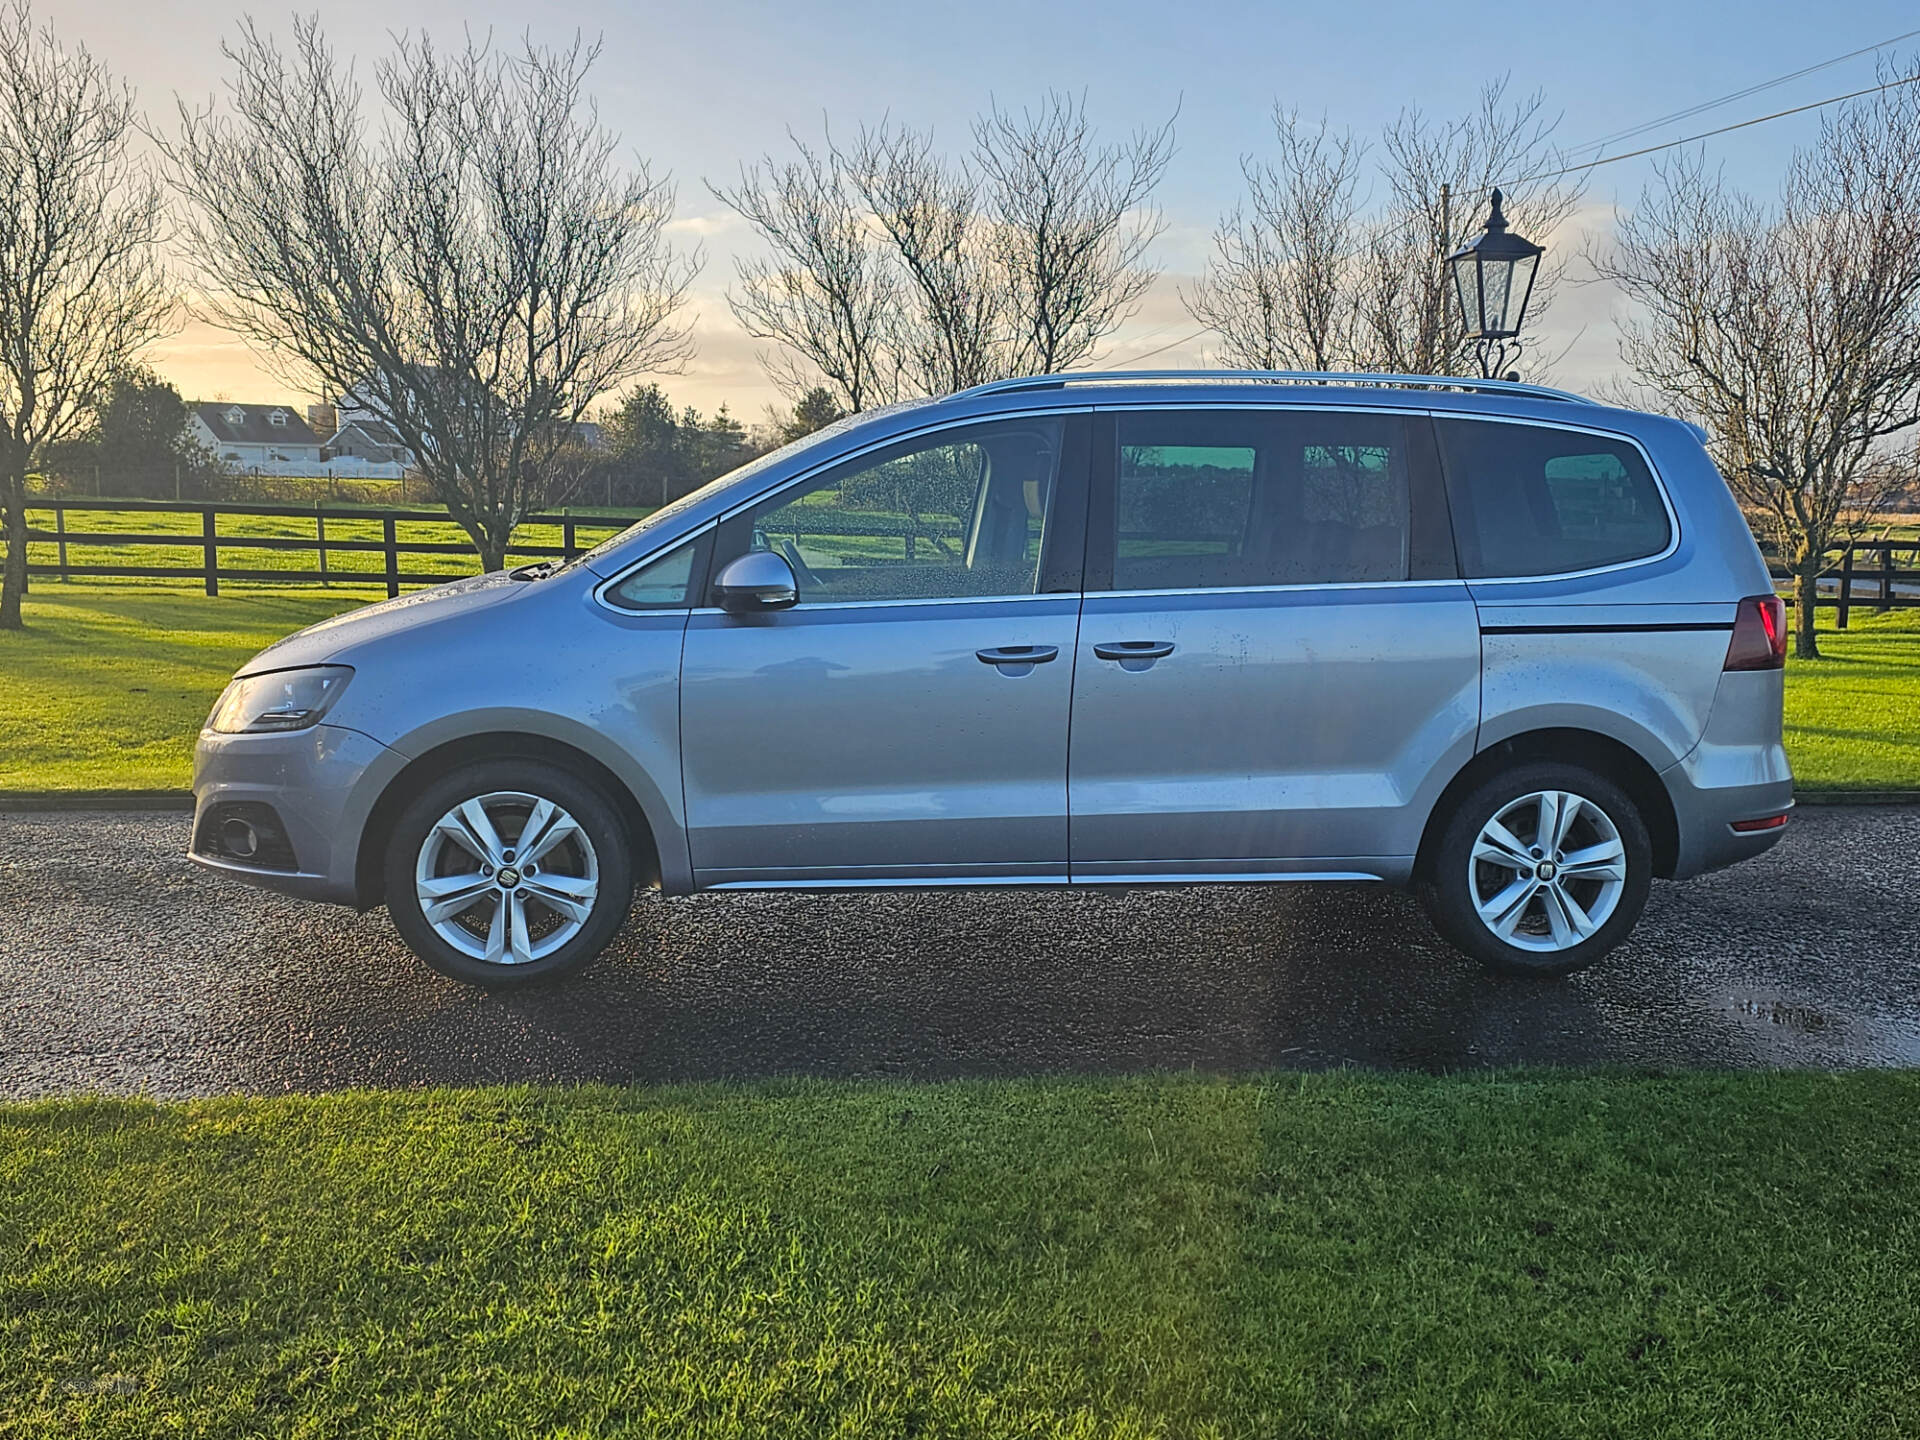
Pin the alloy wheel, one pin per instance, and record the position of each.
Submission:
(507, 877)
(1547, 871)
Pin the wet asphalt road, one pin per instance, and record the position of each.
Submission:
(123, 970)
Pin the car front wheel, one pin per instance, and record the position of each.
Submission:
(1540, 870)
(508, 871)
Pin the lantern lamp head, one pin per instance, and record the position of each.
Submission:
(1493, 279)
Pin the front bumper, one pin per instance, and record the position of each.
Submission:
(321, 783)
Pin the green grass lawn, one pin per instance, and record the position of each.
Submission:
(1334, 1255)
(1853, 716)
(107, 687)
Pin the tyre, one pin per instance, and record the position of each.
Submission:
(1540, 870)
(507, 872)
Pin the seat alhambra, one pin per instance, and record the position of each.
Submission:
(1496, 643)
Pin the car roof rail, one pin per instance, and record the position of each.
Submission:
(1271, 377)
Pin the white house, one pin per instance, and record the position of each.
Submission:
(273, 439)
(362, 434)
(371, 441)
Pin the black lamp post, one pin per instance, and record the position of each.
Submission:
(1492, 281)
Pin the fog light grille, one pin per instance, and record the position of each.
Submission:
(244, 832)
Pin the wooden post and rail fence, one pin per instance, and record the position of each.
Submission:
(1866, 574)
(1862, 575)
(76, 547)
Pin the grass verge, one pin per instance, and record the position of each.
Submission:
(1853, 716)
(107, 687)
(1330, 1255)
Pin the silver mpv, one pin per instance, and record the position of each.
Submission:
(1507, 647)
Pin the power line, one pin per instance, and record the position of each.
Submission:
(1672, 144)
(1709, 134)
(1617, 136)
(1170, 345)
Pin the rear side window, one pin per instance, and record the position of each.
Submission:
(1225, 499)
(1532, 500)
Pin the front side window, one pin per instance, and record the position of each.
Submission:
(1231, 499)
(958, 514)
(1534, 500)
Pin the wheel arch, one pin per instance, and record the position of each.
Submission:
(430, 765)
(1603, 754)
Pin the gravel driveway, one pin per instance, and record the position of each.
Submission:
(123, 969)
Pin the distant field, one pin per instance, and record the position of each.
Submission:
(271, 489)
(306, 490)
(1893, 527)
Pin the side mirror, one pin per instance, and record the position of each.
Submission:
(756, 583)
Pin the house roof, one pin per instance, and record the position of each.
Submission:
(374, 432)
(233, 423)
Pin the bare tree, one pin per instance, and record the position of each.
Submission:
(1790, 332)
(477, 270)
(1438, 177)
(81, 289)
(897, 271)
(1314, 278)
(948, 327)
(1070, 227)
(1280, 288)
(825, 295)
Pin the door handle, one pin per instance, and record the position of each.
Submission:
(1134, 650)
(1018, 654)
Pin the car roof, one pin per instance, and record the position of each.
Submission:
(1268, 387)
(1318, 379)
(1124, 388)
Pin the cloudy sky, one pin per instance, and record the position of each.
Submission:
(698, 87)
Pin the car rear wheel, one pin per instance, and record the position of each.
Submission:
(1540, 870)
(507, 872)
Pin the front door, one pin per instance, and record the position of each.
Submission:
(1275, 658)
(907, 720)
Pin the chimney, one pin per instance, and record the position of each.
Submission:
(323, 420)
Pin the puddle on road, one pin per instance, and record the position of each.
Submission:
(1802, 1018)
(1862, 1039)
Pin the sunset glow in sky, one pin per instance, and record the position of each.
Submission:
(700, 88)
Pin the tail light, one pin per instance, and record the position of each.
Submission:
(1759, 635)
(1752, 827)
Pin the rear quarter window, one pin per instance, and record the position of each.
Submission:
(1534, 500)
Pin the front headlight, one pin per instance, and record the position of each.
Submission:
(282, 700)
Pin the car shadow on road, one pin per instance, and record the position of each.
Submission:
(133, 972)
(936, 984)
